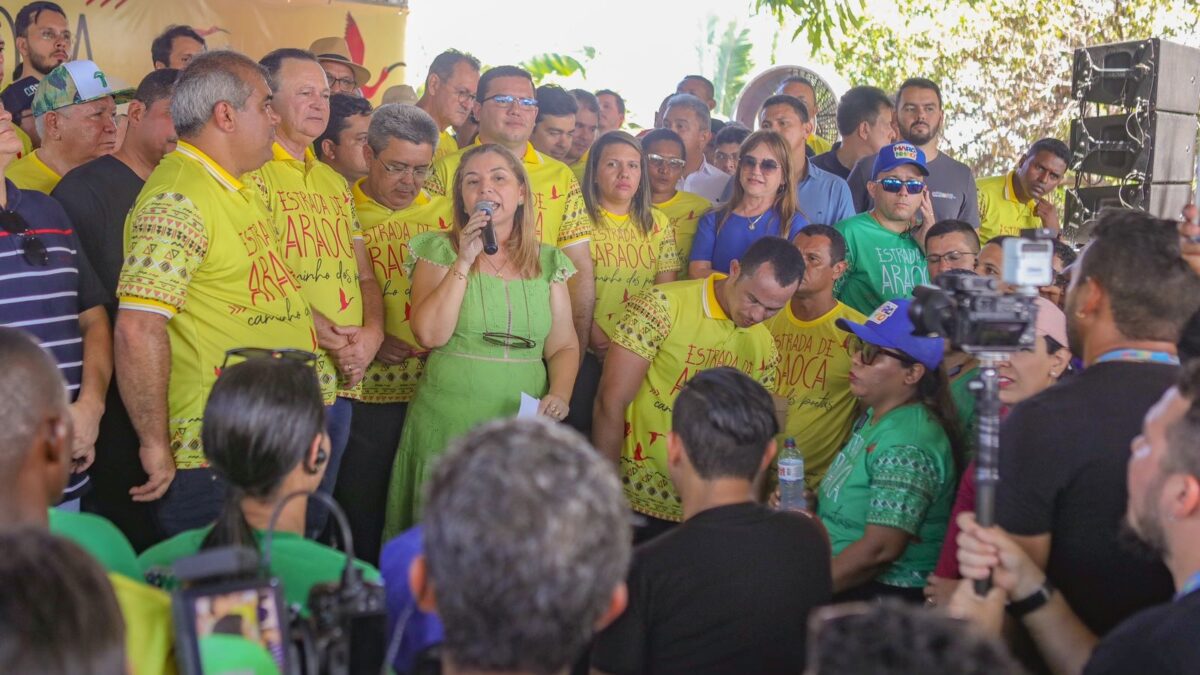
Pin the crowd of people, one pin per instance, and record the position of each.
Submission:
(544, 364)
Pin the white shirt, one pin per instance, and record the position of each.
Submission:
(708, 181)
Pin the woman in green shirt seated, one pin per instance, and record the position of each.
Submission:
(264, 435)
(886, 498)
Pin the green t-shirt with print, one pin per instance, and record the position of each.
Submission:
(297, 562)
(881, 265)
(895, 472)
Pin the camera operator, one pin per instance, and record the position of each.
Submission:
(1163, 512)
(1022, 375)
(1063, 452)
(264, 435)
(886, 498)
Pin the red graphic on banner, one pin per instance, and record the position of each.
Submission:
(358, 52)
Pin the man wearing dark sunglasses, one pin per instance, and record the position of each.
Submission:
(48, 288)
(919, 120)
(883, 245)
(506, 108)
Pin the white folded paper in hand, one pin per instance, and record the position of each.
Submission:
(529, 406)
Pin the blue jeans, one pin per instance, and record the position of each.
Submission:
(337, 425)
(193, 500)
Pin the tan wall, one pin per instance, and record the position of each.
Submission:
(117, 33)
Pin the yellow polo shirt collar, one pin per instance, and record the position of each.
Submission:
(712, 306)
(216, 170)
(531, 156)
(361, 197)
(1010, 190)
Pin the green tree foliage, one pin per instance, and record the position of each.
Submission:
(732, 61)
(562, 65)
(1004, 67)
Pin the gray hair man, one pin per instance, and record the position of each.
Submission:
(203, 275)
(689, 117)
(527, 542)
(392, 207)
(450, 94)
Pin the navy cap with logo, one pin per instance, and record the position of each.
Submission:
(899, 154)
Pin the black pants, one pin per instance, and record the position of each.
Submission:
(873, 590)
(587, 382)
(362, 485)
(117, 469)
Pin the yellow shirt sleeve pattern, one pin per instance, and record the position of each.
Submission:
(645, 324)
(576, 225)
(435, 182)
(668, 251)
(167, 244)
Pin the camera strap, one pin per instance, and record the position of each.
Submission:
(1138, 356)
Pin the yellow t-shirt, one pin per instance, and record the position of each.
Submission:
(814, 371)
(385, 235)
(149, 636)
(1000, 212)
(316, 226)
(626, 261)
(201, 251)
(31, 173)
(683, 212)
(447, 145)
(681, 330)
(561, 218)
(26, 142)
(818, 144)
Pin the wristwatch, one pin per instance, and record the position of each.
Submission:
(1033, 602)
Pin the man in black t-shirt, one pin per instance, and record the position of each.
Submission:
(729, 590)
(1063, 453)
(1163, 512)
(97, 196)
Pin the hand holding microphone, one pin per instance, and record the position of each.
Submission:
(490, 246)
(478, 234)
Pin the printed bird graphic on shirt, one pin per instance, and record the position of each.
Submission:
(553, 192)
(407, 312)
(638, 456)
(654, 436)
(343, 300)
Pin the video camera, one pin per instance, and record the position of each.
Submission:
(975, 313)
(230, 615)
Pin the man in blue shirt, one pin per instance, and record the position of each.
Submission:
(823, 197)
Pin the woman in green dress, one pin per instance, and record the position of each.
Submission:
(498, 325)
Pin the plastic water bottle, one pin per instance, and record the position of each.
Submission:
(791, 478)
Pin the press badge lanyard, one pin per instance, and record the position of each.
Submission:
(1138, 356)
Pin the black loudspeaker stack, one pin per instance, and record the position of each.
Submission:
(1134, 142)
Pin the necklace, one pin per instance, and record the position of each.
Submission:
(754, 223)
(499, 272)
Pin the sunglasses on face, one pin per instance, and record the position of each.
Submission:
(869, 353)
(893, 185)
(506, 101)
(239, 354)
(766, 165)
(659, 160)
(32, 248)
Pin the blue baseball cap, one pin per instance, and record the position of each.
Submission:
(899, 154)
(889, 326)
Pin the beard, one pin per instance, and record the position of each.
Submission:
(1074, 330)
(43, 65)
(1142, 533)
(921, 139)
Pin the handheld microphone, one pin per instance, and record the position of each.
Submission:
(489, 231)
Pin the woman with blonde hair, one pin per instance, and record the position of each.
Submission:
(632, 249)
(763, 204)
(498, 326)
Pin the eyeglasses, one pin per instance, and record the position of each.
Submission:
(399, 170)
(868, 353)
(508, 340)
(346, 83)
(726, 156)
(659, 160)
(766, 165)
(253, 353)
(505, 101)
(32, 247)
(950, 256)
(51, 35)
(463, 95)
(893, 185)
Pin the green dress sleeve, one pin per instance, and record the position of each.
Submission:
(556, 266)
(432, 247)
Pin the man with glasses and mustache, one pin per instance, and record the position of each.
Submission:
(48, 288)
(449, 95)
(919, 118)
(43, 40)
(884, 245)
(506, 109)
(822, 196)
(1017, 200)
(75, 111)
